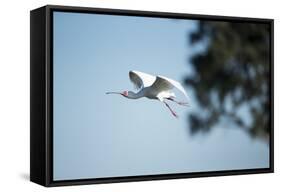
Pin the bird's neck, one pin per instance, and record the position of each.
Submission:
(133, 95)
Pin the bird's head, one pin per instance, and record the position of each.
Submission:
(128, 94)
(125, 93)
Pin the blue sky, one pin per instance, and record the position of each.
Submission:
(98, 135)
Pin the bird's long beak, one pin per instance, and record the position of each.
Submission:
(113, 93)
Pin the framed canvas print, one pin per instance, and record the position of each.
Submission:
(121, 95)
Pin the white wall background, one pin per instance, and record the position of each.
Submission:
(14, 94)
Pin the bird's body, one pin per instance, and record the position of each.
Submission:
(151, 94)
(153, 87)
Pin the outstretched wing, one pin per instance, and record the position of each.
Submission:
(165, 84)
(140, 79)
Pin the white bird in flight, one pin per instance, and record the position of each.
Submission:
(154, 87)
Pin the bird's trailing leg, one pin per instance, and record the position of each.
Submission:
(172, 111)
(178, 102)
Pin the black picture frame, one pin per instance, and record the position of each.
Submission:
(41, 91)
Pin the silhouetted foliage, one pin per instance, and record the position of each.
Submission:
(232, 72)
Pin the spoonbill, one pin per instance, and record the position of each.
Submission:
(154, 87)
